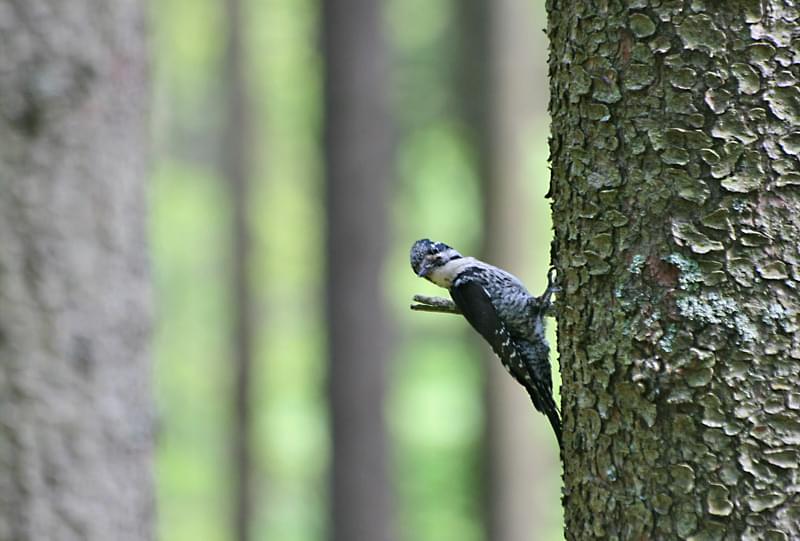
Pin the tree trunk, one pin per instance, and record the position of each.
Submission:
(358, 167)
(236, 146)
(75, 412)
(524, 465)
(677, 221)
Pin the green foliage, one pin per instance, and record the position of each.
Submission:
(188, 234)
(436, 422)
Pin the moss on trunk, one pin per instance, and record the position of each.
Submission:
(677, 221)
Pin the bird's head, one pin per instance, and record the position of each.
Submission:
(427, 256)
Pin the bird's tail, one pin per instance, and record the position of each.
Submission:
(555, 422)
(544, 402)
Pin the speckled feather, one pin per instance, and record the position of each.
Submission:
(501, 309)
(520, 339)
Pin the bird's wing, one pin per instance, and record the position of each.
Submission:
(477, 307)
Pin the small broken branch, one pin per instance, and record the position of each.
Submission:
(434, 304)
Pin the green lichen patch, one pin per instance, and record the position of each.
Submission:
(784, 102)
(636, 264)
(718, 501)
(742, 183)
(791, 143)
(638, 76)
(713, 416)
(773, 270)
(690, 274)
(605, 88)
(700, 33)
(597, 111)
(761, 502)
(696, 139)
(685, 520)
(660, 44)
(785, 78)
(675, 156)
(782, 458)
(698, 377)
(788, 179)
(696, 191)
(641, 25)
(718, 219)
(685, 233)
(752, 9)
(606, 175)
(720, 166)
(747, 77)
(776, 30)
(603, 245)
(753, 237)
(662, 503)
(711, 308)
(733, 125)
(580, 84)
(615, 218)
(682, 478)
(680, 102)
(684, 78)
(742, 270)
(762, 55)
(781, 165)
(596, 263)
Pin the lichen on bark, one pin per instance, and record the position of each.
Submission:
(677, 221)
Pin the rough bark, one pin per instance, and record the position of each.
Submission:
(75, 411)
(236, 146)
(358, 166)
(677, 222)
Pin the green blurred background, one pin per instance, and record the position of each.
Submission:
(436, 411)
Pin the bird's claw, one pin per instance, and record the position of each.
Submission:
(545, 302)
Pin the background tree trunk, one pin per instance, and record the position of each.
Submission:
(498, 103)
(236, 163)
(75, 412)
(676, 217)
(523, 462)
(358, 168)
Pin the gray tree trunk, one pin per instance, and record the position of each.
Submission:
(358, 168)
(523, 468)
(236, 165)
(75, 414)
(677, 221)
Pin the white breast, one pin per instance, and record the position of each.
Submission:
(443, 276)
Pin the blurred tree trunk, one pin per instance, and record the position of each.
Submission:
(677, 222)
(471, 92)
(497, 92)
(358, 168)
(523, 463)
(75, 413)
(236, 146)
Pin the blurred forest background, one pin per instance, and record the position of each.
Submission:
(468, 457)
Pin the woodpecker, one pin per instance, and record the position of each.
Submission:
(501, 309)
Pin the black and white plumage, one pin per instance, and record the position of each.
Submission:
(501, 309)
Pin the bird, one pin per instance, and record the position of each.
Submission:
(500, 308)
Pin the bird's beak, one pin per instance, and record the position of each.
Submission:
(424, 269)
